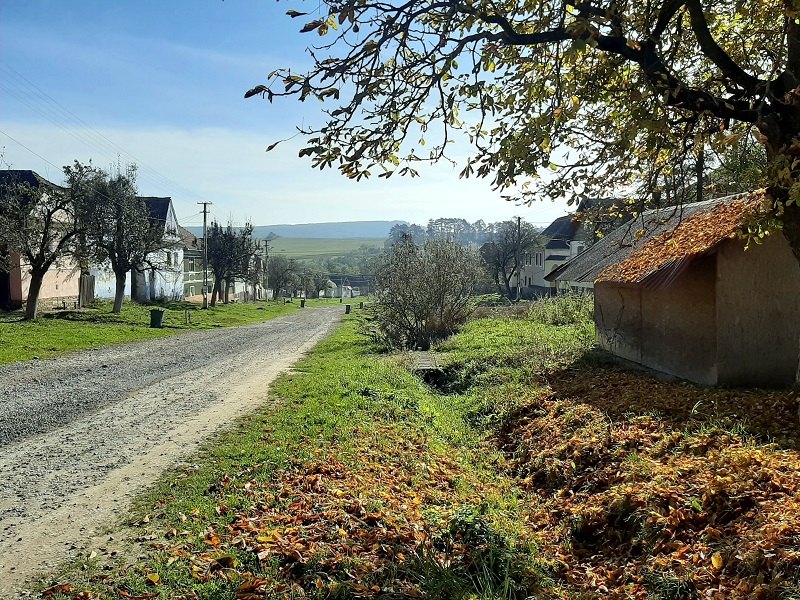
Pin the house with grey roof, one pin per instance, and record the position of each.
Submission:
(676, 290)
(161, 276)
(563, 239)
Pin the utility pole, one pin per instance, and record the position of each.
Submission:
(266, 268)
(205, 252)
(519, 257)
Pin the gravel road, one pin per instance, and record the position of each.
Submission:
(80, 435)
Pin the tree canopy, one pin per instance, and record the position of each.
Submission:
(116, 222)
(231, 253)
(38, 222)
(559, 98)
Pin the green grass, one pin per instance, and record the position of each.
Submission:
(346, 401)
(67, 330)
(315, 249)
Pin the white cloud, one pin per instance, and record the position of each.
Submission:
(232, 170)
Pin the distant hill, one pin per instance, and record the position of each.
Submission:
(329, 231)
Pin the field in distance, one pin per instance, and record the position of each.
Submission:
(318, 248)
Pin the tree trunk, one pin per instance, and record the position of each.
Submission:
(507, 283)
(226, 299)
(32, 305)
(215, 292)
(119, 293)
(791, 228)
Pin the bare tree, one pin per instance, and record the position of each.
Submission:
(282, 273)
(502, 255)
(117, 223)
(230, 256)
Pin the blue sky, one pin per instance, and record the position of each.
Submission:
(162, 84)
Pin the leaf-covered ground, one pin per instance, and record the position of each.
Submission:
(527, 468)
(661, 489)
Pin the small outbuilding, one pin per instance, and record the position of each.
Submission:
(676, 290)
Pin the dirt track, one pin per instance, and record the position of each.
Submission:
(81, 435)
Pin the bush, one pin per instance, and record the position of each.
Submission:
(423, 293)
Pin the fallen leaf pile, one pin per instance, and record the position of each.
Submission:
(325, 526)
(693, 236)
(648, 490)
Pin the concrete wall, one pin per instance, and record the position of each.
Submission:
(671, 330)
(618, 319)
(679, 324)
(758, 311)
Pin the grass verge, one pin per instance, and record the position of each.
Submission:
(67, 330)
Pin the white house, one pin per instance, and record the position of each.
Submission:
(161, 276)
(564, 239)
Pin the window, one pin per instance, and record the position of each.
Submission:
(527, 258)
(169, 259)
(538, 259)
(191, 290)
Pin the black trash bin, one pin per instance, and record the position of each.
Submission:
(156, 318)
(302, 303)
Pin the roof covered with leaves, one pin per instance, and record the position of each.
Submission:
(655, 247)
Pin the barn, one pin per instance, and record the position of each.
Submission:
(676, 290)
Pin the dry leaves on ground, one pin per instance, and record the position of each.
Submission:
(643, 495)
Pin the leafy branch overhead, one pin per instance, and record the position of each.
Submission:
(600, 94)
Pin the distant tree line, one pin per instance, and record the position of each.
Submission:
(458, 231)
(501, 245)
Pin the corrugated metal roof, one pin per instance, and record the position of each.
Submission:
(649, 228)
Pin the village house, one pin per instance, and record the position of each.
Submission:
(562, 240)
(676, 290)
(193, 266)
(161, 277)
(61, 284)
(347, 286)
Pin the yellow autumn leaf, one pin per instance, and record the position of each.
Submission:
(716, 560)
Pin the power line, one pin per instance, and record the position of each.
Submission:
(32, 96)
(28, 149)
(102, 195)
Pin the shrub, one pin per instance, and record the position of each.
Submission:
(423, 293)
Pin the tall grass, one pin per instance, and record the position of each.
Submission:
(566, 309)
